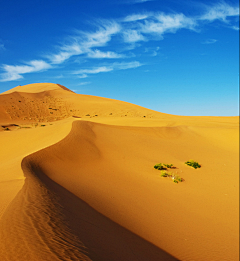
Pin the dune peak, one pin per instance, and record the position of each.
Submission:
(37, 87)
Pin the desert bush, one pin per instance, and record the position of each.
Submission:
(169, 166)
(193, 164)
(164, 174)
(159, 166)
(176, 179)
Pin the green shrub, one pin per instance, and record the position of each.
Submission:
(164, 174)
(159, 166)
(193, 164)
(177, 179)
(169, 166)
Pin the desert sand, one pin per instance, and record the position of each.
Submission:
(77, 180)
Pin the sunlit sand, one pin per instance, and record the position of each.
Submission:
(77, 180)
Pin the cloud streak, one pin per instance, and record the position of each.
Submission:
(83, 73)
(220, 12)
(97, 54)
(131, 31)
(209, 41)
(83, 42)
(83, 83)
(163, 23)
(138, 1)
(15, 72)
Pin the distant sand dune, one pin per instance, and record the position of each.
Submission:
(95, 195)
(36, 103)
(37, 88)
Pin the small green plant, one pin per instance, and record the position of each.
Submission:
(169, 166)
(159, 166)
(193, 164)
(176, 179)
(164, 174)
(43, 125)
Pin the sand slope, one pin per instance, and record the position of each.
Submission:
(36, 103)
(96, 196)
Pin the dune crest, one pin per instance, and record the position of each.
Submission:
(36, 88)
(54, 224)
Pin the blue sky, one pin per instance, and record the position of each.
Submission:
(177, 56)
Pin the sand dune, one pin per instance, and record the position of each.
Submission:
(95, 195)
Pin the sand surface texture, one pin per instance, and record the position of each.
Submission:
(77, 180)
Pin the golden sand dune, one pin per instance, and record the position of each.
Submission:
(95, 195)
(36, 103)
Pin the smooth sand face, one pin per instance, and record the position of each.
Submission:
(95, 194)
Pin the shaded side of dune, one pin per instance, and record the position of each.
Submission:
(47, 222)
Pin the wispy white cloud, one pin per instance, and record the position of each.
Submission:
(167, 23)
(66, 52)
(152, 51)
(209, 41)
(235, 28)
(146, 27)
(135, 17)
(83, 83)
(126, 65)
(220, 11)
(132, 36)
(94, 70)
(99, 54)
(103, 35)
(131, 30)
(138, 1)
(12, 72)
(82, 76)
(85, 41)
(115, 66)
